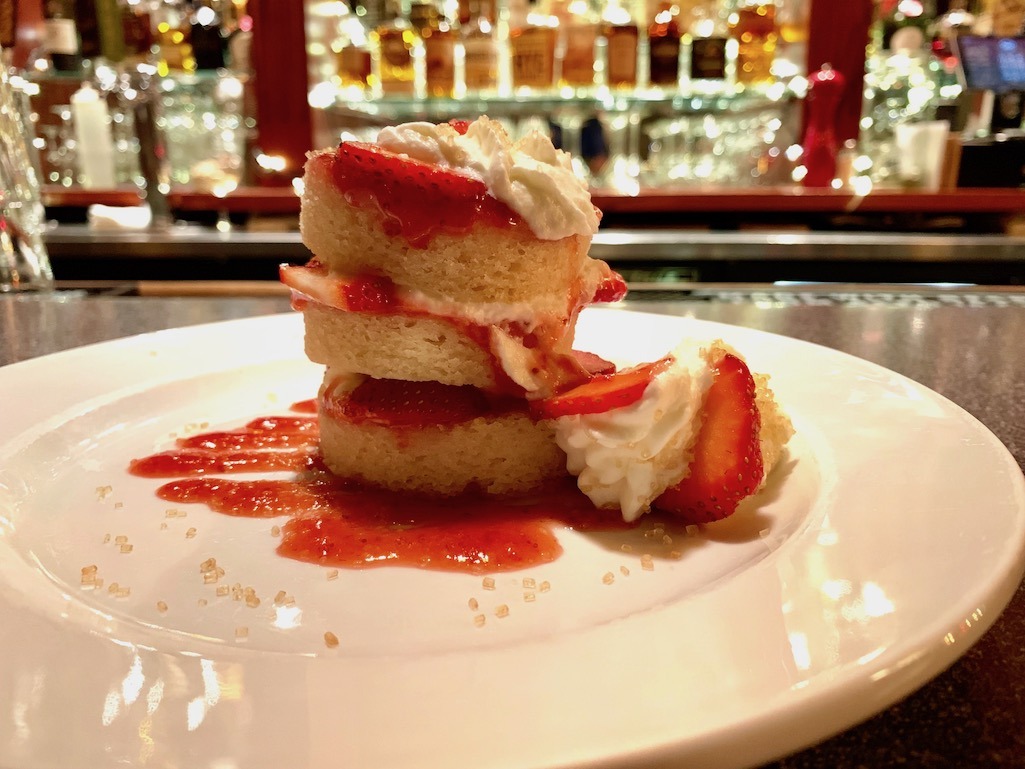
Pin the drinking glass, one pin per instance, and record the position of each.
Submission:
(24, 264)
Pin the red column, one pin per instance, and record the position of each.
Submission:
(838, 35)
(281, 84)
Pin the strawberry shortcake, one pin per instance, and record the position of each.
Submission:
(450, 266)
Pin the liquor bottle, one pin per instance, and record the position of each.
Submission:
(709, 35)
(753, 26)
(621, 35)
(173, 39)
(664, 47)
(533, 35)
(480, 48)
(207, 38)
(60, 35)
(352, 55)
(88, 29)
(439, 49)
(579, 28)
(392, 46)
(137, 31)
(8, 23)
(110, 30)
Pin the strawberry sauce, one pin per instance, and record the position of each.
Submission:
(338, 523)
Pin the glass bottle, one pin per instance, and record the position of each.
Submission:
(621, 35)
(173, 39)
(8, 23)
(60, 35)
(392, 49)
(664, 36)
(533, 35)
(709, 35)
(579, 27)
(88, 29)
(209, 43)
(480, 48)
(753, 26)
(352, 54)
(439, 49)
(137, 31)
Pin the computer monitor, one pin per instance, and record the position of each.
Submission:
(991, 63)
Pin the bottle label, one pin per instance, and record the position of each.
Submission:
(622, 55)
(708, 58)
(481, 63)
(578, 61)
(440, 64)
(665, 60)
(533, 57)
(60, 36)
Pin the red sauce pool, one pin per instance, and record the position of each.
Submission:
(336, 523)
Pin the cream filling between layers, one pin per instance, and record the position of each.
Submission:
(627, 457)
(322, 287)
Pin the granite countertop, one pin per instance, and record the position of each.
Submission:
(971, 351)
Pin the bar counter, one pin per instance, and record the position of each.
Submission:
(968, 345)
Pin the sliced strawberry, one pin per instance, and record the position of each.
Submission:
(398, 403)
(594, 364)
(727, 464)
(611, 289)
(460, 126)
(417, 200)
(601, 393)
(370, 293)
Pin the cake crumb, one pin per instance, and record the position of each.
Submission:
(332, 575)
(479, 620)
(544, 587)
(529, 583)
(118, 505)
(472, 603)
(190, 533)
(502, 610)
(488, 583)
(608, 578)
(162, 607)
(624, 571)
(121, 539)
(202, 602)
(626, 548)
(102, 492)
(241, 633)
(330, 640)
(126, 548)
(529, 597)
(275, 531)
(647, 562)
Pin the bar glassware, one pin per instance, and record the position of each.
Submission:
(24, 263)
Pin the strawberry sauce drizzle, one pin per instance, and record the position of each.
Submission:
(338, 523)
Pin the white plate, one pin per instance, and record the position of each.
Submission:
(888, 543)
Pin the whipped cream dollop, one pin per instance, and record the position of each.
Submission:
(626, 457)
(530, 175)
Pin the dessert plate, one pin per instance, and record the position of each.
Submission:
(888, 541)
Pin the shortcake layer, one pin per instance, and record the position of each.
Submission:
(487, 264)
(446, 450)
(369, 326)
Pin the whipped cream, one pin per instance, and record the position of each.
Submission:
(627, 457)
(530, 176)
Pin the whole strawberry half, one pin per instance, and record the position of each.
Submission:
(417, 200)
(727, 465)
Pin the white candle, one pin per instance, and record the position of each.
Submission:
(95, 143)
